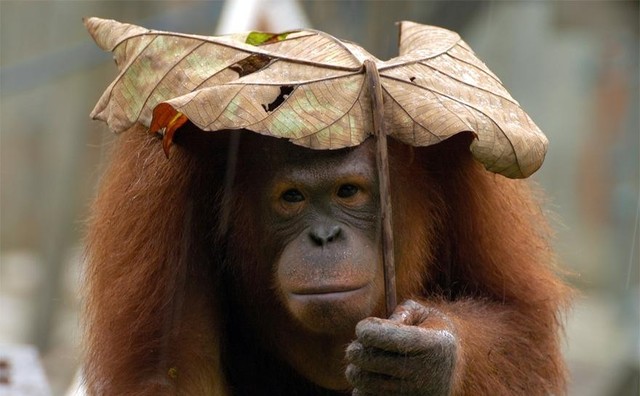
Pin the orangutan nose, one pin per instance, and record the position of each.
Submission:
(323, 235)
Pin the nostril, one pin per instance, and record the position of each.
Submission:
(334, 233)
(316, 238)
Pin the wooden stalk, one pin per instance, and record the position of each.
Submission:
(382, 163)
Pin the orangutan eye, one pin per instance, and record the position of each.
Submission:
(347, 190)
(292, 195)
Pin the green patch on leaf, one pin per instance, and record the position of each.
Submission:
(262, 38)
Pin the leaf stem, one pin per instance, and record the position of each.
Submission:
(382, 163)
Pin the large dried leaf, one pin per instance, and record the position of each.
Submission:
(310, 88)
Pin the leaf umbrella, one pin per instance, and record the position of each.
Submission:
(319, 92)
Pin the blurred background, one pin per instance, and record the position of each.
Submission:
(573, 66)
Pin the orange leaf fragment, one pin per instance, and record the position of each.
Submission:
(167, 118)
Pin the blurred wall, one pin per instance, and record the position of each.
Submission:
(573, 65)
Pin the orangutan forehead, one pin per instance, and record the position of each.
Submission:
(281, 152)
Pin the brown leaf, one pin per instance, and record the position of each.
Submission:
(309, 87)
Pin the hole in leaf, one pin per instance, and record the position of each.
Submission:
(285, 91)
(412, 79)
(250, 64)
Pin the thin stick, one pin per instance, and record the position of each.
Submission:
(382, 162)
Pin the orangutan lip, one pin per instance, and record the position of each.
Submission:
(329, 291)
